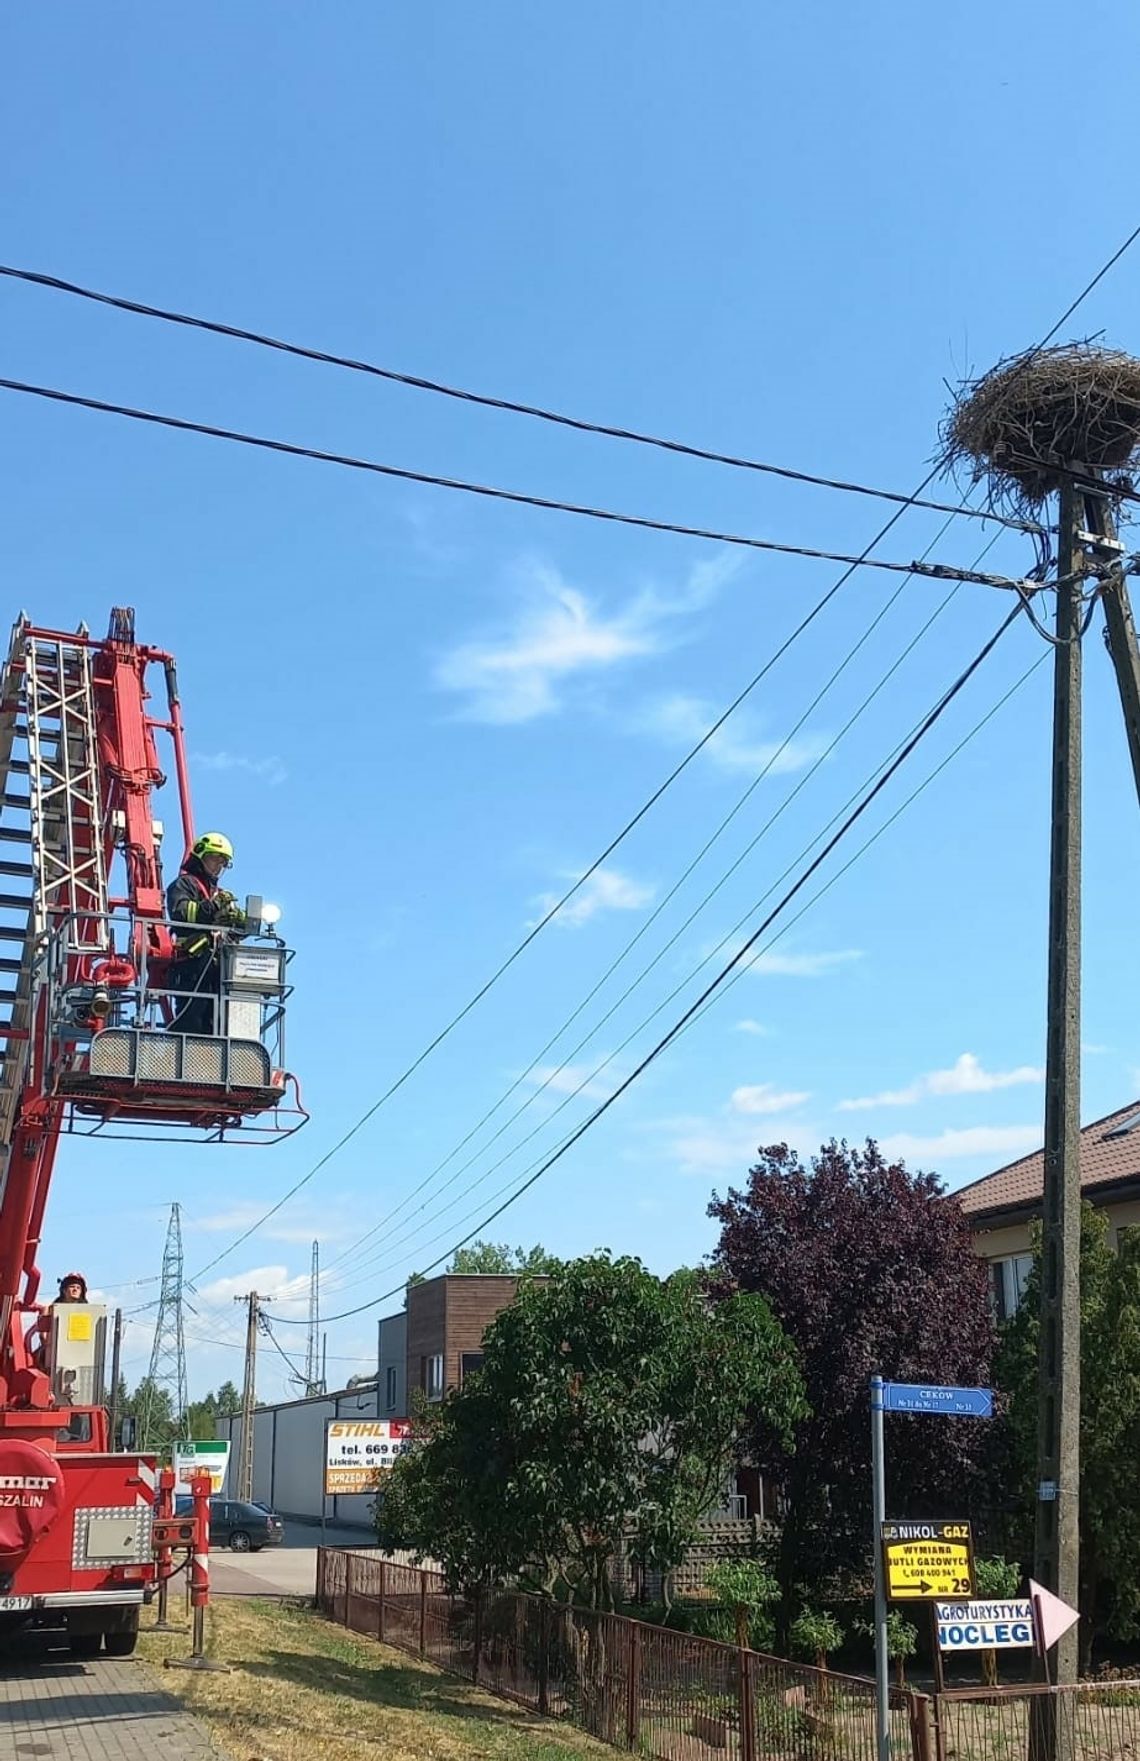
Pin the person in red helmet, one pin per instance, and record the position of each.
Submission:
(72, 1288)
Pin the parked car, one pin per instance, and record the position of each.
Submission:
(243, 1528)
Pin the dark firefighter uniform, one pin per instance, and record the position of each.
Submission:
(195, 899)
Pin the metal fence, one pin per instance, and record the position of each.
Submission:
(670, 1696)
(665, 1695)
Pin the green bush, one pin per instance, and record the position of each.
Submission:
(814, 1635)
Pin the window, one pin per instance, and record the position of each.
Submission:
(470, 1362)
(390, 1389)
(1008, 1279)
(433, 1376)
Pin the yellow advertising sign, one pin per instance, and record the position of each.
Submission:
(928, 1562)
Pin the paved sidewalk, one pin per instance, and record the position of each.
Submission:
(54, 1708)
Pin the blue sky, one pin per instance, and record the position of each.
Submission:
(773, 231)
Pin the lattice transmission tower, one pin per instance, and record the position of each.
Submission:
(314, 1382)
(162, 1414)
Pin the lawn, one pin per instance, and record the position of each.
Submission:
(301, 1689)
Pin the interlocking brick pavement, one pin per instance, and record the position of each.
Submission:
(55, 1708)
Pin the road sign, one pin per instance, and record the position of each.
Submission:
(1054, 1616)
(201, 1458)
(357, 1449)
(952, 1403)
(927, 1562)
(985, 1626)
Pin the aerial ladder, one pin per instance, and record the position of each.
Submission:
(90, 1046)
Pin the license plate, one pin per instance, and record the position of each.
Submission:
(10, 1604)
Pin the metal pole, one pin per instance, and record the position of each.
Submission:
(878, 1518)
(1059, 1349)
(116, 1371)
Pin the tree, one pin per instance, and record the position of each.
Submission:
(609, 1406)
(868, 1268)
(1110, 1428)
(498, 1258)
(227, 1401)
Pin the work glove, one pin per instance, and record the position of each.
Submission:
(231, 915)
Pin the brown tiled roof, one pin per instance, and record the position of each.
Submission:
(1107, 1157)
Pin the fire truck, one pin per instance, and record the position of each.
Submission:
(90, 1047)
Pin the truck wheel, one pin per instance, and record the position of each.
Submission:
(240, 1542)
(121, 1644)
(84, 1644)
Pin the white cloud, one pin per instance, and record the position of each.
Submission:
(682, 721)
(572, 1079)
(237, 1217)
(764, 1097)
(606, 890)
(514, 674)
(966, 1077)
(1007, 1141)
(289, 1292)
(710, 1147)
(755, 1027)
(802, 965)
(267, 770)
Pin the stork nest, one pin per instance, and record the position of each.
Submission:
(1029, 420)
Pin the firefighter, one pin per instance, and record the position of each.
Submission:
(72, 1288)
(196, 899)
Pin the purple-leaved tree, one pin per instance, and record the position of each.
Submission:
(867, 1267)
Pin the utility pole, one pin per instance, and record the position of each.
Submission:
(116, 1372)
(1057, 1544)
(248, 1394)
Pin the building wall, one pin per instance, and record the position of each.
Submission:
(392, 1356)
(288, 1456)
(448, 1316)
(1014, 1238)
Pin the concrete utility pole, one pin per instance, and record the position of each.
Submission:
(248, 1395)
(1057, 1548)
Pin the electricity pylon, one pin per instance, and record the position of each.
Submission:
(162, 1414)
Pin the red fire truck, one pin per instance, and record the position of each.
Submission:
(90, 1047)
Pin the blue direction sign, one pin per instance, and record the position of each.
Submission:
(969, 1403)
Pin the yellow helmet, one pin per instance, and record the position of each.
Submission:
(214, 844)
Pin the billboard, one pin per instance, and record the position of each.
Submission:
(200, 1458)
(355, 1449)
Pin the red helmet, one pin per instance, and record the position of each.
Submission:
(73, 1278)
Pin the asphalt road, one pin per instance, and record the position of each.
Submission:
(288, 1570)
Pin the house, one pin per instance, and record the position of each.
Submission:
(1002, 1206)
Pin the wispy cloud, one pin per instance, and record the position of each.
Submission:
(717, 1146)
(288, 1291)
(765, 1097)
(519, 670)
(607, 889)
(754, 1027)
(785, 965)
(571, 1079)
(234, 1218)
(1007, 1141)
(267, 770)
(965, 1077)
(683, 720)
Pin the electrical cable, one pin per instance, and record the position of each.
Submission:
(857, 856)
(552, 1075)
(749, 945)
(416, 382)
(482, 992)
(933, 571)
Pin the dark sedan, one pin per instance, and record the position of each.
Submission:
(243, 1528)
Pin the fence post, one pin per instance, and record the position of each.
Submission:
(349, 1576)
(477, 1644)
(319, 1598)
(745, 1703)
(633, 1687)
(380, 1601)
(918, 1709)
(543, 1658)
(423, 1614)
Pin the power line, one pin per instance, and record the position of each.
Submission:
(674, 889)
(934, 571)
(416, 382)
(731, 966)
(591, 1077)
(502, 969)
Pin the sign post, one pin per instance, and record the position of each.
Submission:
(879, 1517)
(908, 1582)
